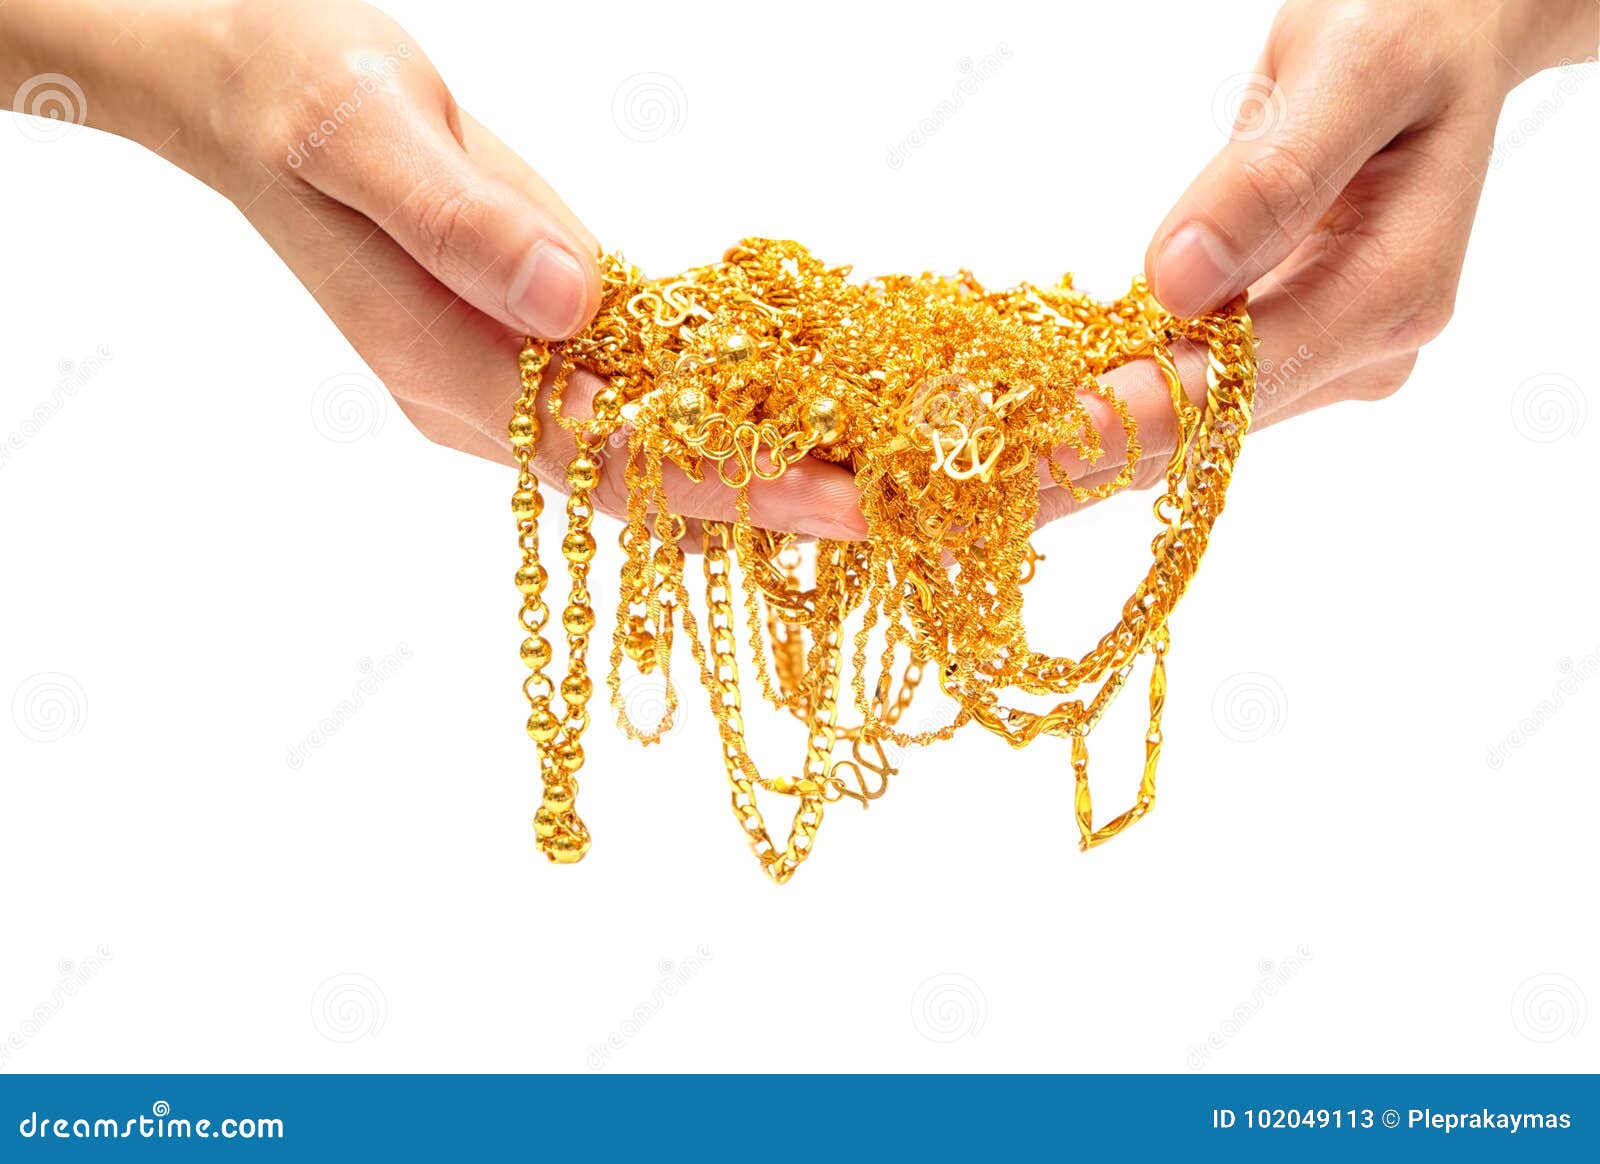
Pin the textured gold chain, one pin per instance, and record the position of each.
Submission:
(561, 834)
(942, 398)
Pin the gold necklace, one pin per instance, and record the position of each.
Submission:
(941, 397)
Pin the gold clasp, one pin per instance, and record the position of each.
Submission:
(978, 465)
(859, 765)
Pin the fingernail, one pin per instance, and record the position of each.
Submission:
(1195, 271)
(549, 294)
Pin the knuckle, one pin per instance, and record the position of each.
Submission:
(315, 117)
(1385, 381)
(1149, 473)
(1404, 301)
(447, 438)
(443, 217)
(1283, 185)
(1418, 319)
(1408, 43)
(1370, 26)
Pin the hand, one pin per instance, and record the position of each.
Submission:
(1344, 199)
(429, 243)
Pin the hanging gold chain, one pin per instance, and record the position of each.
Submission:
(942, 398)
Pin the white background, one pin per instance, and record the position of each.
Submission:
(206, 545)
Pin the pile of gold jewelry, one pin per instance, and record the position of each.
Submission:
(942, 398)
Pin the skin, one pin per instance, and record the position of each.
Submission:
(1343, 202)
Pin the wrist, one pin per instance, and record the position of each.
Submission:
(148, 72)
(1541, 34)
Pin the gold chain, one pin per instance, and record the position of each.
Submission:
(941, 397)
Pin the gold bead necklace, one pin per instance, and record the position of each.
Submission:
(942, 398)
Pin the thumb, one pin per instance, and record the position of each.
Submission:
(1293, 150)
(511, 250)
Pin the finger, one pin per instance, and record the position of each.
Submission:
(1143, 387)
(412, 331)
(1374, 382)
(445, 362)
(495, 156)
(1344, 316)
(1298, 143)
(1058, 503)
(1379, 280)
(812, 496)
(506, 246)
(1286, 369)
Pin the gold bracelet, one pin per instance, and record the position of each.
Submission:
(941, 398)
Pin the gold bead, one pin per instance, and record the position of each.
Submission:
(535, 653)
(527, 503)
(607, 403)
(546, 823)
(531, 578)
(668, 559)
(523, 429)
(558, 798)
(543, 725)
(823, 419)
(532, 359)
(583, 472)
(640, 645)
(576, 689)
(578, 546)
(735, 348)
(685, 410)
(569, 756)
(578, 620)
(566, 849)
